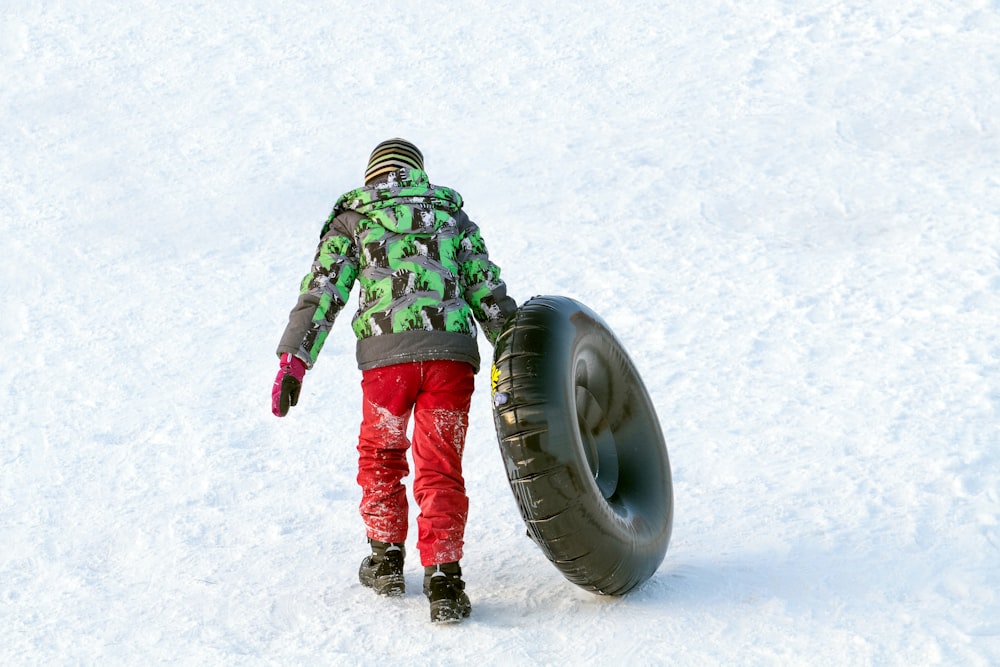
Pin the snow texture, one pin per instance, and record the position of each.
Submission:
(789, 212)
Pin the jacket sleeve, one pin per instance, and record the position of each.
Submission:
(483, 289)
(323, 292)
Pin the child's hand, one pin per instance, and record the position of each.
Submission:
(285, 391)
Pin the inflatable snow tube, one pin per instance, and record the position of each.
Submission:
(582, 446)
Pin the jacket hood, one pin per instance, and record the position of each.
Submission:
(406, 202)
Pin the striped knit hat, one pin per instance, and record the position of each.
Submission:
(393, 154)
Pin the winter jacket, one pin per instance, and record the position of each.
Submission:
(425, 277)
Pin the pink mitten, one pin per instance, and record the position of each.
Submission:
(285, 391)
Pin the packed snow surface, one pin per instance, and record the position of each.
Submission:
(788, 212)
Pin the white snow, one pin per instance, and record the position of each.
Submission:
(789, 212)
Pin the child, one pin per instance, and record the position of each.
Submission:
(426, 278)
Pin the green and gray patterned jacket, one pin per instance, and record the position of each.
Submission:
(424, 271)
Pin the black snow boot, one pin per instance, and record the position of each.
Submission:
(445, 589)
(382, 571)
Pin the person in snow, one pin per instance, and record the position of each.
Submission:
(425, 280)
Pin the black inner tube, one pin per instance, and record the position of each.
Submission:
(582, 446)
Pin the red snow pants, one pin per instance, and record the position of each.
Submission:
(438, 395)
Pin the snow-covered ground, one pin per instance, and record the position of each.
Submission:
(789, 212)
